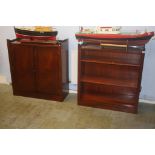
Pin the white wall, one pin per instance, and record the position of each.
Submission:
(6, 32)
(148, 80)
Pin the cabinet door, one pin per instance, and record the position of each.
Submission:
(47, 69)
(22, 68)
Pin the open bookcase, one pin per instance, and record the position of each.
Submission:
(109, 76)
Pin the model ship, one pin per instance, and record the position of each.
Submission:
(101, 30)
(113, 33)
(36, 32)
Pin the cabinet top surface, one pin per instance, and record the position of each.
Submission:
(29, 41)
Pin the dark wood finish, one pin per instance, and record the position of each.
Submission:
(39, 69)
(109, 77)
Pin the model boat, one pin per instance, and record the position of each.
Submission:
(36, 32)
(108, 33)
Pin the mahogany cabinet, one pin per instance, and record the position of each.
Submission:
(39, 69)
(109, 76)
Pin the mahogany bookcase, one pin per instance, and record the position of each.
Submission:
(110, 73)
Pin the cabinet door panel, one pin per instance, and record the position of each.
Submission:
(22, 66)
(47, 69)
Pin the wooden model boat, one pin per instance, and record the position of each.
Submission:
(39, 33)
(134, 38)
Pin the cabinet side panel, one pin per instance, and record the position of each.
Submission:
(64, 68)
(140, 74)
(79, 74)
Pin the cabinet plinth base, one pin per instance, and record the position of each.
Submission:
(52, 97)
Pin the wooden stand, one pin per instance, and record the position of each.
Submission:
(110, 74)
(39, 69)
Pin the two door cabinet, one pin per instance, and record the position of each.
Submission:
(39, 69)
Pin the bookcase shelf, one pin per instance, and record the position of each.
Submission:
(109, 81)
(110, 62)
